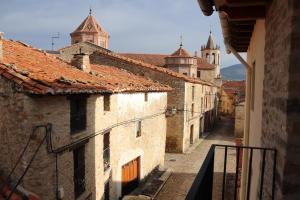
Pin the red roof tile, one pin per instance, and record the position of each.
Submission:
(154, 59)
(181, 52)
(159, 60)
(152, 67)
(40, 73)
(202, 64)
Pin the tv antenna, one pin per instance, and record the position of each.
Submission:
(53, 37)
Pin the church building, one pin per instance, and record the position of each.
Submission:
(90, 31)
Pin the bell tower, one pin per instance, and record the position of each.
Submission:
(211, 53)
(90, 31)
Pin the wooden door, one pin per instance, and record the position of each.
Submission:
(130, 176)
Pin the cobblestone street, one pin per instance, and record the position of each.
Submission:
(186, 166)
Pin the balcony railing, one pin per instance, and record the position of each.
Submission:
(220, 175)
(106, 158)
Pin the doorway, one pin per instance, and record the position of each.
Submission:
(130, 176)
(192, 134)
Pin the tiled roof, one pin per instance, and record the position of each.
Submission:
(40, 73)
(202, 64)
(154, 59)
(90, 24)
(181, 52)
(152, 67)
(234, 84)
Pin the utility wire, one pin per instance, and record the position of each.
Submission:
(100, 132)
(27, 167)
(23, 151)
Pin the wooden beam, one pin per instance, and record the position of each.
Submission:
(244, 13)
(239, 3)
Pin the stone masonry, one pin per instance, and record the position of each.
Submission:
(280, 126)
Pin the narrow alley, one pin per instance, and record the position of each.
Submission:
(186, 166)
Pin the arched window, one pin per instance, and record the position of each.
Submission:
(207, 57)
(213, 58)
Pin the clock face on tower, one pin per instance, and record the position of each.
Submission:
(89, 26)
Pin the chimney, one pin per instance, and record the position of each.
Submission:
(81, 61)
(1, 46)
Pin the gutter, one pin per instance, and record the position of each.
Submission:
(226, 34)
(206, 6)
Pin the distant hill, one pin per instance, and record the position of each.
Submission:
(234, 72)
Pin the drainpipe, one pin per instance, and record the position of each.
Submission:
(247, 118)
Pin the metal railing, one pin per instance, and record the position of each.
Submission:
(209, 177)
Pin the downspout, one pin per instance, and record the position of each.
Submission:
(230, 49)
(247, 119)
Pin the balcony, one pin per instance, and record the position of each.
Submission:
(221, 177)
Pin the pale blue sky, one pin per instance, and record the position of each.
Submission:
(138, 26)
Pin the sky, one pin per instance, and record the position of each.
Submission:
(136, 26)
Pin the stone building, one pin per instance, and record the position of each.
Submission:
(90, 31)
(232, 93)
(194, 102)
(92, 125)
(269, 32)
(206, 67)
(239, 120)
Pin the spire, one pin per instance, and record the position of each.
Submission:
(210, 42)
(181, 41)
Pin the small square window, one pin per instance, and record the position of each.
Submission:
(198, 73)
(106, 102)
(138, 128)
(146, 96)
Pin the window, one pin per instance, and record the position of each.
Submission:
(207, 58)
(77, 114)
(106, 151)
(138, 128)
(201, 103)
(106, 102)
(106, 190)
(185, 73)
(198, 73)
(213, 58)
(79, 171)
(193, 93)
(146, 96)
(192, 111)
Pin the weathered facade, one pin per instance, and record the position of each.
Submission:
(188, 117)
(97, 122)
(232, 93)
(239, 120)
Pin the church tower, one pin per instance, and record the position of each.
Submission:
(90, 31)
(211, 53)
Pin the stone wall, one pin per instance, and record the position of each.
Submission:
(280, 125)
(20, 113)
(239, 120)
(175, 123)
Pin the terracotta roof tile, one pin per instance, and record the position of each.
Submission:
(202, 64)
(89, 24)
(181, 52)
(40, 73)
(154, 59)
(153, 67)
